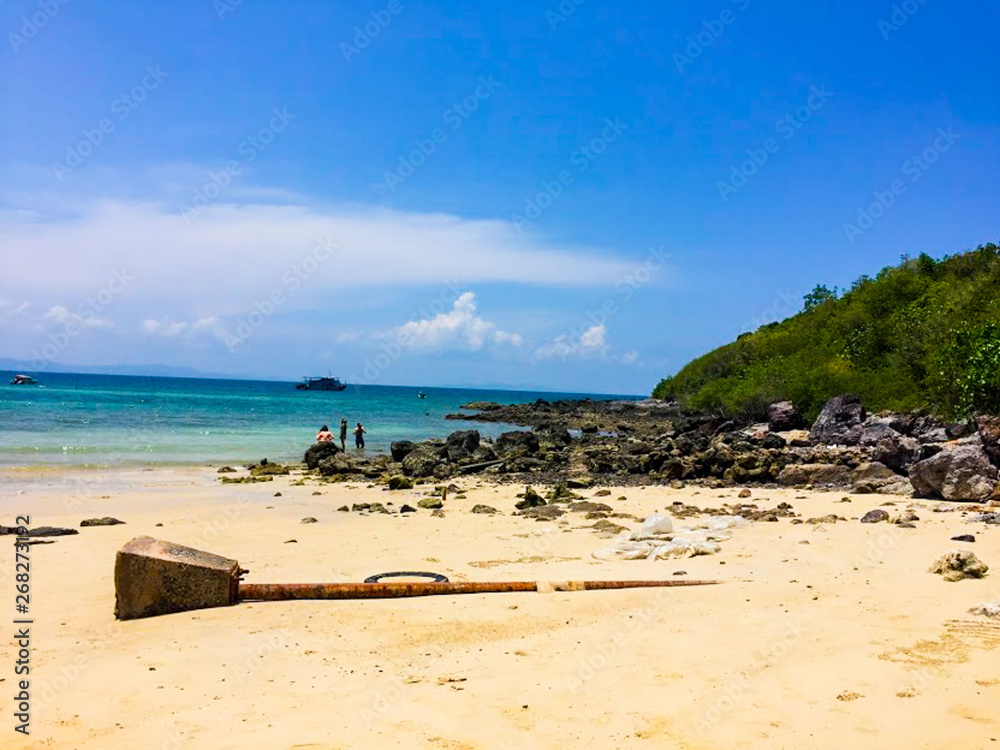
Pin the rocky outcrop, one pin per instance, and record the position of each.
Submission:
(815, 474)
(517, 443)
(840, 422)
(891, 448)
(461, 445)
(956, 565)
(422, 460)
(961, 471)
(400, 449)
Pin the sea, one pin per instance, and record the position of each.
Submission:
(107, 421)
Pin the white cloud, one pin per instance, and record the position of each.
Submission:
(236, 254)
(61, 316)
(592, 342)
(459, 328)
(189, 333)
(347, 337)
(10, 310)
(630, 358)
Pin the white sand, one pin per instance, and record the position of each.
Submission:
(844, 642)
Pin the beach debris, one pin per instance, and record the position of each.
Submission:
(680, 573)
(963, 538)
(400, 483)
(988, 609)
(226, 470)
(308, 519)
(430, 503)
(484, 509)
(106, 521)
(276, 494)
(289, 541)
(875, 516)
(657, 539)
(955, 565)
(154, 577)
(317, 492)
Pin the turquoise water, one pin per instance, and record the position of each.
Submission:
(115, 420)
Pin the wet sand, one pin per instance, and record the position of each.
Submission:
(821, 636)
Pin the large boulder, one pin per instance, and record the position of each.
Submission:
(400, 449)
(421, 461)
(840, 423)
(462, 444)
(318, 451)
(338, 463)
(959, 472)
(800, 474)
(517, 443)
(783, 416)
(989, 434)
(891, 448)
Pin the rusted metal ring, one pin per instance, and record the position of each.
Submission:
(438, 578)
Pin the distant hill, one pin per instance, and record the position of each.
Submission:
(923, 334)
(156, 371)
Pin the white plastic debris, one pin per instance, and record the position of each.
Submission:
(654, 526)
(657, 539)
(989, 609)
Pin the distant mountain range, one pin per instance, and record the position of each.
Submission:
(155, 371)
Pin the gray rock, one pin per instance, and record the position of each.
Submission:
(484, 509)
(106, 521)
(783, 416)
(517, 443)
(800, 474)
(462, 444)
(875, 516)
(308, 519)
(989, 435)
(430, 503)
(421, 461)
(318, 451)
(400, 449)
(840, 422)
(400, 483)
(529, 499)
(960, 472)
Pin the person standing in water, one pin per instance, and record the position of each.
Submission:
(343, 433)
(359, 436)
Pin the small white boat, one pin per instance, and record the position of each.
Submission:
(23, 380)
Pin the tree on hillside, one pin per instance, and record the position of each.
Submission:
(818, 296)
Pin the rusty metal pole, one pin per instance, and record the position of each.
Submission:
(271, 592)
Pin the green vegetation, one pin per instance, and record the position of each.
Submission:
(923, 334)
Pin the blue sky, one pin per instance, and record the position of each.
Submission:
(576, 196)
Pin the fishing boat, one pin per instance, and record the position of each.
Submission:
(321, 384)
(23, 380)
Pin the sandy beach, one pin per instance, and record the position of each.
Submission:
(826, 635)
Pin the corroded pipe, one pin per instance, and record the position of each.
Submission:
(285, 591)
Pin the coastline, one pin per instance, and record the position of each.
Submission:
(835, 634)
